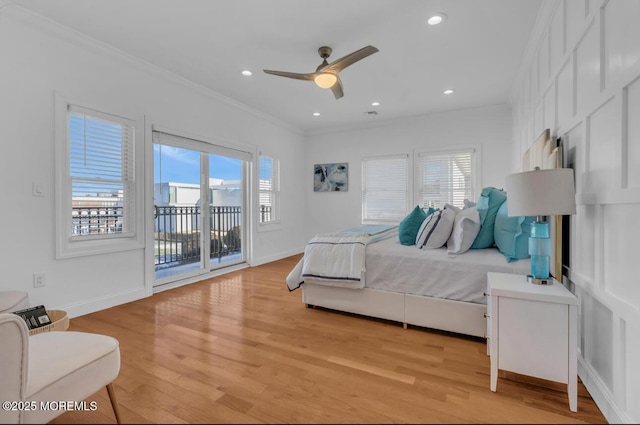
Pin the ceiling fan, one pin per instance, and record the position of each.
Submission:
(326, 75)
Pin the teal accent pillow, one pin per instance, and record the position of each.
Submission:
(409, 226)
(430, 211)
(488, 204)
(511, 234)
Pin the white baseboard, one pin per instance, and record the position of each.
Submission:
(275, 257)
(198, 278)
(101, 303)
(601, 394)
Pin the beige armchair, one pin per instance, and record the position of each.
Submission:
(39, 372)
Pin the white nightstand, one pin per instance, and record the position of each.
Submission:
(532, 330)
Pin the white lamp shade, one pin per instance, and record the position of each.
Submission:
(541, 192)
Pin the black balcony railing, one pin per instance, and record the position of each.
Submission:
(178, 231)
(96, 220)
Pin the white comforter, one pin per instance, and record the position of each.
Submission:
(337, 259)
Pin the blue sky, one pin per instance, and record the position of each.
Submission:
(183, 165)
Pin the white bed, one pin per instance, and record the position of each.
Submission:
(426, 287)
(419, 287)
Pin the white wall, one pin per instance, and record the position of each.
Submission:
(581, 79)
(37, 58)
(488, 129)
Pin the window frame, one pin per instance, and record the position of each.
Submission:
(68, 245)
(407, 190)
(475, 169)
(276, 222)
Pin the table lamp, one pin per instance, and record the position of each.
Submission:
(541, 193)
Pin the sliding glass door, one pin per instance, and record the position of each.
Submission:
(199, 205)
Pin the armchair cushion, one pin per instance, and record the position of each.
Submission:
(52, 366)
(76, 364)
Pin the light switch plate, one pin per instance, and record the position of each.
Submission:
(38, 189)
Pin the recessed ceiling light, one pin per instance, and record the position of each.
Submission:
(436, 19)
(448, 91)
(247, 73)
(316, 114)
(375, 103)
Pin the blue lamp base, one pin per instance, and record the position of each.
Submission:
(539, 250)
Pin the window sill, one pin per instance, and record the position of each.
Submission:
(269, 227)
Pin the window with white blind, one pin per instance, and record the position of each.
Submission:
(445, 177)
(97, 206)
(100, 173)
(385, 188)
(268, 190)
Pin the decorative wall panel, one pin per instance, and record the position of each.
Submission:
(565, 95)
(556, 39)
(583, 256)
(632, 121)
(575, 20)
(598, 324)
(588, 69)
(538, 119)
(594, 61)
(574, 155)
(622, 30)
(550, 108)
(604, 149)
(620, 249)
(543, 61)
(631, 394)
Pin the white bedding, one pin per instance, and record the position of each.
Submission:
(338, 259)
(391, 266)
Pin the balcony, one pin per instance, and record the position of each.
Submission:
(177, 230)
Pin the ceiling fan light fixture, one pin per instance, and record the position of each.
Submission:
(325, 80)
(436, 19)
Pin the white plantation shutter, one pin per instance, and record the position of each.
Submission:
(269, 190)
(445, 177)
(101, 173)
(384, 188)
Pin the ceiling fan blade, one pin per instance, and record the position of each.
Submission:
(294, 75)
(350, 59)
(337, 89)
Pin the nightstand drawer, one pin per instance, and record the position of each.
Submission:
(534, 339)
(532, 331)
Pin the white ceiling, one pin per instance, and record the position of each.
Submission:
(476, 51)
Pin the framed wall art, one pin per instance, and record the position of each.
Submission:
(331, 177)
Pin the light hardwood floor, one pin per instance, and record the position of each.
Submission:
(241, 348)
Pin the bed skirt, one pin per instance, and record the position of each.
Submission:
(437, 313)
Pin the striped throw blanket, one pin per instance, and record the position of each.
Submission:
(337, 259)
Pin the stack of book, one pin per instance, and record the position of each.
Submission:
(35, 317)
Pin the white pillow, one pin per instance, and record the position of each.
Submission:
(435, 229)
(468, 204)
(466, 227)
(452, 207)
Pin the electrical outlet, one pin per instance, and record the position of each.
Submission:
(39, 280)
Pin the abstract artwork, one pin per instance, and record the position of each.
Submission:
(330, 177)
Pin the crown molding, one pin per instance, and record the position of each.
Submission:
(56, 29)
